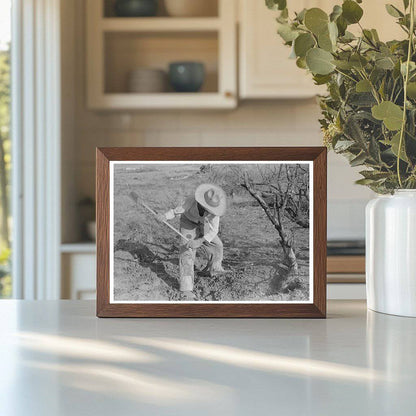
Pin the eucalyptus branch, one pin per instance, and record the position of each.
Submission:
(368, 128)
(405, 81)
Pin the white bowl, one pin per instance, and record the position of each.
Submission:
(191, 8)
(146, 80)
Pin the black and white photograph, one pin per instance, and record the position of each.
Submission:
(211, 232)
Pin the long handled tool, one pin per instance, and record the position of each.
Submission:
(136, 199)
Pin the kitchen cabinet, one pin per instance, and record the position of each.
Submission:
(265, 70)
(116, 46)
(78, 264)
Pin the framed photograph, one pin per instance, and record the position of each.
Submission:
(211, 232)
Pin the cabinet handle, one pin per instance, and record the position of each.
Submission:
(228, 94)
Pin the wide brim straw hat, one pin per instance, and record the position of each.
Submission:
(212, 198)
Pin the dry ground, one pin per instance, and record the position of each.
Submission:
(146, 251)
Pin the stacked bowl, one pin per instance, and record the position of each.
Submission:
(147, 80)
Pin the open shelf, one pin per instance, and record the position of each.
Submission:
(116, 46)
(127, 51)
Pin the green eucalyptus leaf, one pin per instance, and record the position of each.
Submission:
(358, 160)
(388, 112)
(342, 25)
(411, 90)
(374, 150)
(368, 36)
(347, 37)
(375, 35)
(303, 43)
(343, 145)
(283, 17)
(365, 182)
(386, 62)
(412, 67)
(300, 17)
(286, 32)
(319, 61)
(325, 42)
(405, 21)
(336, 12)
(363, 86)
(396, 71)
(333, 32)
(393, 11)
(351, 11)
(377, 75)
(301, 63)
(276, 4)
(343, 65)
(358, 61)
(316, 20)
(361, 99)
(394, 144)
(321, 79)
(374, 175)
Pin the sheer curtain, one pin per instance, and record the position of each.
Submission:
(36, 148)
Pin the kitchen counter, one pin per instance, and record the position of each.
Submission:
(57, 358)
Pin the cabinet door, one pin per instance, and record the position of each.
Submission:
(265, 68)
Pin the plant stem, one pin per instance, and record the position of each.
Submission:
(406, 80)
(345, 75)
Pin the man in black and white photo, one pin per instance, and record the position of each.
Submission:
(199, 224)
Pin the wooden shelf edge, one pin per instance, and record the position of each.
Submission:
(346, 264)
(159, 24)
(80, 247)
(125, 101)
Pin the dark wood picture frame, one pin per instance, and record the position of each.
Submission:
(317, 309)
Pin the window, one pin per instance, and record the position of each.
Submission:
(5, 145)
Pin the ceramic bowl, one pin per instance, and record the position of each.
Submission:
(186, 76)
(135, 8)
(147, 80)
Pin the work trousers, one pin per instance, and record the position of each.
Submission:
(214, 249)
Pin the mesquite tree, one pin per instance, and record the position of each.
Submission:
(282, 191)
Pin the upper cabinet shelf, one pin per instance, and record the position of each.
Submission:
(128, 58)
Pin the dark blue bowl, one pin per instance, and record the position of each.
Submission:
(186, 76)
(135, 8)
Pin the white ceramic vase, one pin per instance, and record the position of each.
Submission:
(391, 253)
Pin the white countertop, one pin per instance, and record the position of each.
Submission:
(58, 359)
